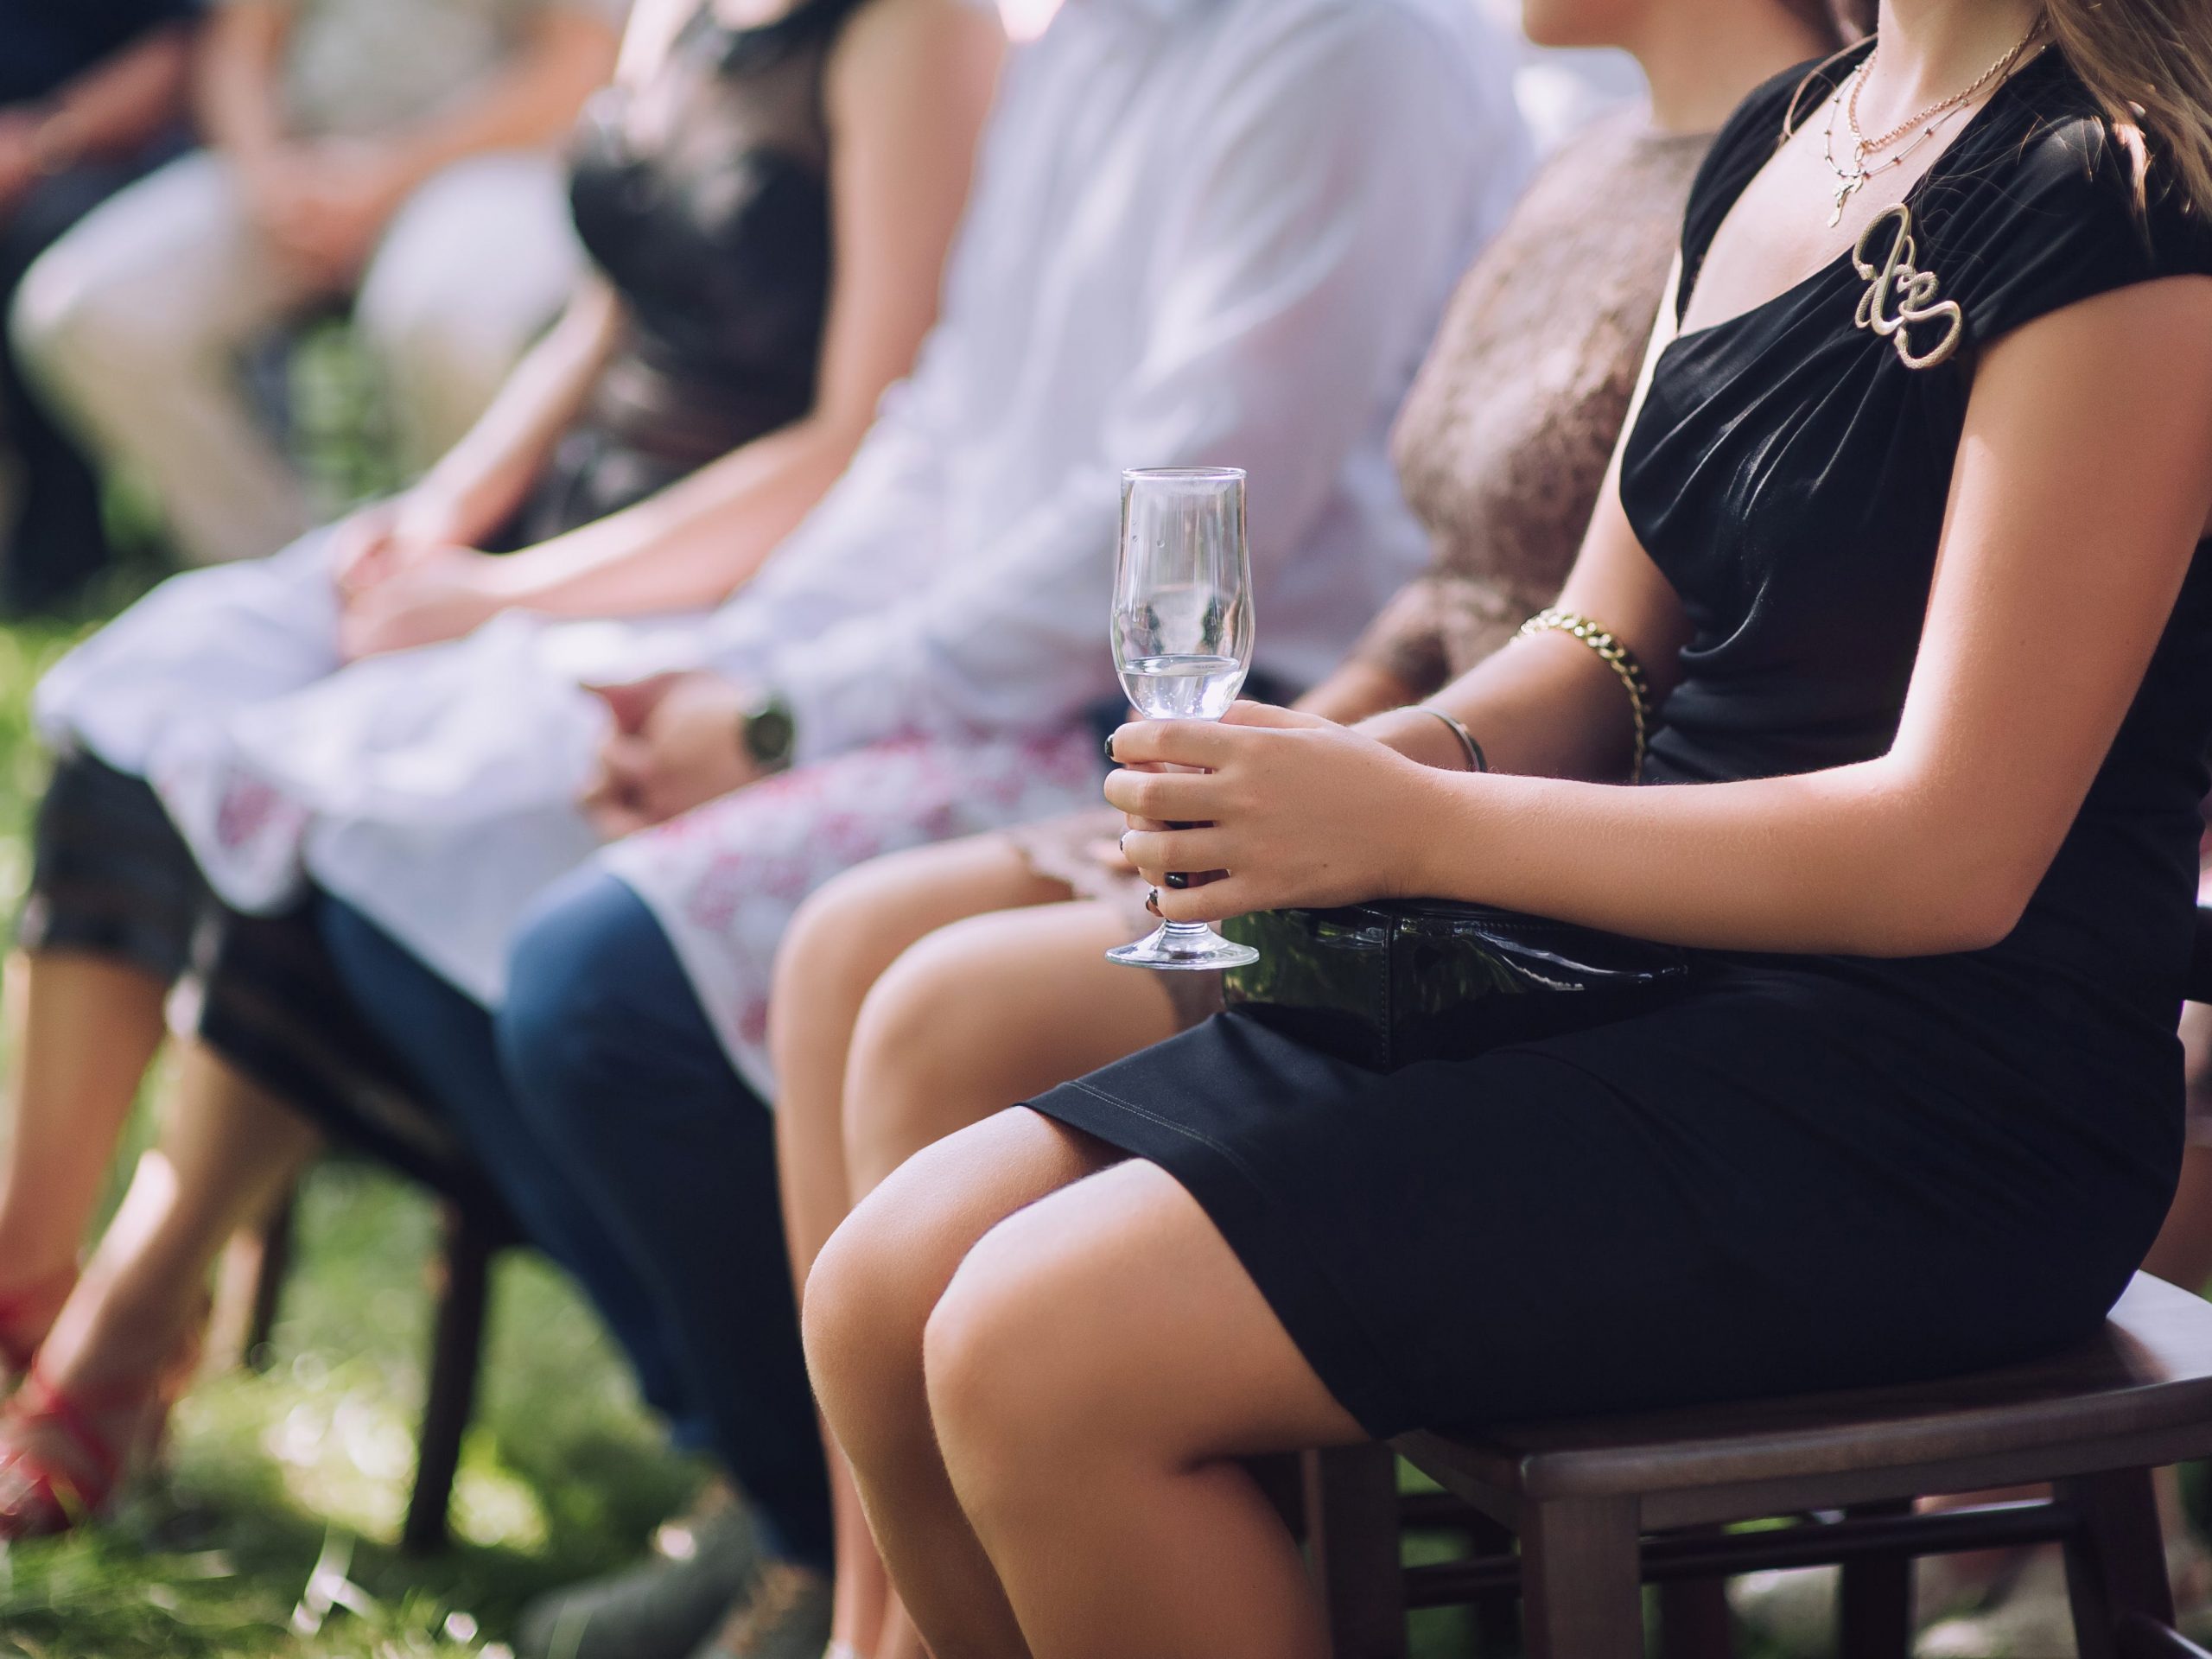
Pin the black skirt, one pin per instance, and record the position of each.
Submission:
(1788, 1182)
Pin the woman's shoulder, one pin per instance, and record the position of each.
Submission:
(2053, 205)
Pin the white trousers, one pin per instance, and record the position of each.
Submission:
(135, 322)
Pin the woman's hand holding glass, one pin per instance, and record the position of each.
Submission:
(1298, 809)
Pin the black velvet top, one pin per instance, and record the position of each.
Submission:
(703, 195)
(1789, 474)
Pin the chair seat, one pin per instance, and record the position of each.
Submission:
(2141, 1393)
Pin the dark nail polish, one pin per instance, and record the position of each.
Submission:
(1110, 761)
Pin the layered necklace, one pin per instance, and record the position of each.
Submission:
(1866, 160)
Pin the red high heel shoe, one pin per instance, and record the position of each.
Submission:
(26, 1316)
(43, 1493)
(64, 1456)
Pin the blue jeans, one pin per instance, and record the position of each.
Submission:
(601, 1105)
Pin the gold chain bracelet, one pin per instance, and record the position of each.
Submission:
(1615, 656)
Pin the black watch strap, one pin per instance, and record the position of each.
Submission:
(770, 733)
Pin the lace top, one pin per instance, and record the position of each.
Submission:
(1503, 441)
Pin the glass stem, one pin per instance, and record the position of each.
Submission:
(1186, 933)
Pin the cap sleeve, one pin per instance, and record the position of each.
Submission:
(1746, 143)
(2066, 226)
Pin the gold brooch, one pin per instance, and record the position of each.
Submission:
(1913, 291)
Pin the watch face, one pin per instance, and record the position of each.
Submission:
(768, 734)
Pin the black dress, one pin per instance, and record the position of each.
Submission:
(1816, 1172)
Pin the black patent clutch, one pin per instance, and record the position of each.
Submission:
(1390, 984)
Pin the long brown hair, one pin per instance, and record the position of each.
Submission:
(2148, 63)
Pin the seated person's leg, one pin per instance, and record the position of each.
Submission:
(837, 947)
(836, 950)
(130, 325)
(985, 1013)
(106, 929)
(122, 1346)
(606, 1045)
(446, 1041)
(58, 539)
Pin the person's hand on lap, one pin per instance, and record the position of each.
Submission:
(432, 592)
(323, 207)
(678, 742)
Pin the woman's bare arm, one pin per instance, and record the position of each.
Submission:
(2086, 453)
(237, 91)
(481, 482)
(529, 104)
(909, 89)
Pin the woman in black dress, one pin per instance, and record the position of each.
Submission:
(1911, 546)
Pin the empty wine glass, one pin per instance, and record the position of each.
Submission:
(1183, 637)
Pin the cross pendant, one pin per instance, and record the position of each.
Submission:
(1844, 192)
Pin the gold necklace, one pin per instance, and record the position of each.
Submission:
(1850, 183)
(1852, 179)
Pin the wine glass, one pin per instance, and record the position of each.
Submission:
(1183, 637)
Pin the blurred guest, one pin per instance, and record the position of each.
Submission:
(392, 155)
(90, 95)
(769, 198)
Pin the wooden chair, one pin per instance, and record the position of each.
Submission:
(389, 1122)
(1602, 1506)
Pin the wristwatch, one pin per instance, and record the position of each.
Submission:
(770, 733)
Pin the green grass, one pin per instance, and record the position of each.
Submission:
(271, 1476)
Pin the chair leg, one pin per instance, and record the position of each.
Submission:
(1874, 1605)
(249, 1287)
(1351, 1513)
(456, 1349)
(1693, 1618)
(1582, 1594)
(2116, 1567)
(1498, 1615)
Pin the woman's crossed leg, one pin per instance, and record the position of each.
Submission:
(1045, 1364)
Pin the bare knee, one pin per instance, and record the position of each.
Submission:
(866, 1302)
(831, 953)
(1012, 1392)
(852, 929)
(67, 327)
(922, 1058)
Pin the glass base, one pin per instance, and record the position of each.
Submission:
(1183, 946)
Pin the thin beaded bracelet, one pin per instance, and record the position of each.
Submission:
(1476, 761)
(1615, 656)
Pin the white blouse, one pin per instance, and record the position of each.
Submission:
(1204, 232)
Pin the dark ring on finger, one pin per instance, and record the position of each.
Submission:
(1177, 879)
